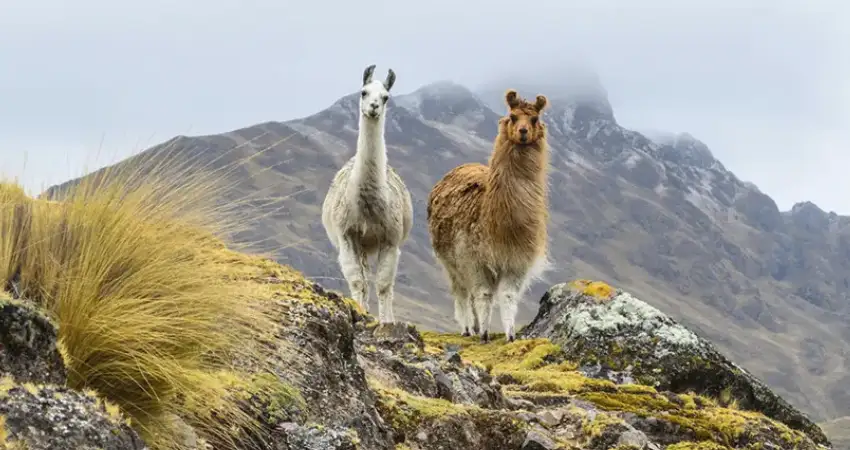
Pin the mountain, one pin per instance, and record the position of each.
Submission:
(661, 218)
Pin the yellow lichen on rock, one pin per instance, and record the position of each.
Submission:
(529, 367)
(597, 289)
(279, 281)
(406, 411)
(715, 423)
(537, 369)
(703, 445)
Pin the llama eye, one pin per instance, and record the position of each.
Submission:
(362, 93)
(385, 98)
(534, 120)
(513, 118)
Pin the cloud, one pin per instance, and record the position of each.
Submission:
(766, 84)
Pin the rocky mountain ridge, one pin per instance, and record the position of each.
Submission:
(364, 386)
(666, 221)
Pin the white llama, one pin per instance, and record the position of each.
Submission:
(367, 210)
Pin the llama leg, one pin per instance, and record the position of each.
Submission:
(471, 317)
(351, 264)
(474, 322)
(483, 304)
(508, 297)
(387, 268)
(463, 303)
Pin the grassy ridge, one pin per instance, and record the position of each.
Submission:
(149, 316)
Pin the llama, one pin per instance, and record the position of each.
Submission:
(488, 223)
(367, 210)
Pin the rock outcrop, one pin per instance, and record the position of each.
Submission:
(37, 412)
(613, 335)
(596, 370)
(394, 387)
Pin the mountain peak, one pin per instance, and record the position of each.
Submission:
(683, 148)
(444, 88)
(575, 89)
(444, 92)
(451, 103)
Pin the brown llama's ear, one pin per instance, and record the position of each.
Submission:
(511, 98)
(541, 103)
(367, 74)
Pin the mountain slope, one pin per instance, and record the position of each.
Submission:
(664, 220)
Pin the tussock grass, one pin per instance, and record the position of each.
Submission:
(130, 266)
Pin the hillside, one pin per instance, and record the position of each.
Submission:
(665, 221)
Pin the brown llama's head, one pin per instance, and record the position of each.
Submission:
(522, 125)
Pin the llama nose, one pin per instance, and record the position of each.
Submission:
(374, 105)
(523, 131)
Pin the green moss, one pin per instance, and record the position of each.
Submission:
(282, 281)
(277, 397)
(537, 369)
(708, 421)
(526, 365)
(370, 349)
(704, 445)
(599, 424)
(408, 413)
(274, 397)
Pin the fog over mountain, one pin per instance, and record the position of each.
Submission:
(766, 84)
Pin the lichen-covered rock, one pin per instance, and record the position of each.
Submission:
(44, 417)
(613, 335)
(368, 386)
(28, 349)
(427, 423)
(315, 437)
(315, 352)
(396, 357)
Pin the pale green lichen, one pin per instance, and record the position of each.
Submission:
(626, 310)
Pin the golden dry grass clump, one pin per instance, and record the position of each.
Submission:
(128, 265)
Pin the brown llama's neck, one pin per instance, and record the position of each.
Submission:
(516, 203)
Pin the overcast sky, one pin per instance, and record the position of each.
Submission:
(766, 84)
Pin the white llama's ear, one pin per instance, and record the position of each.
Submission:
(367, 74)
(390, 80)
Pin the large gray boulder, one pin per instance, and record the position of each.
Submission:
(614, 335)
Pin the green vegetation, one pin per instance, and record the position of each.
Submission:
(532, 368)
(151, 307)
(408, 413)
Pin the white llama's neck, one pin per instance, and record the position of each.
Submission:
(370, 162)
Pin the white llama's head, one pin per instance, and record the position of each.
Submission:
(375, 94)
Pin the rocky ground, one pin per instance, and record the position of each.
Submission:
(597, 369)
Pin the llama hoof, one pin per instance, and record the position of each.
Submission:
(466, 333)
(485, 337)
(511, 338)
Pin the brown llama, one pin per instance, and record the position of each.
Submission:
(488, 223)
